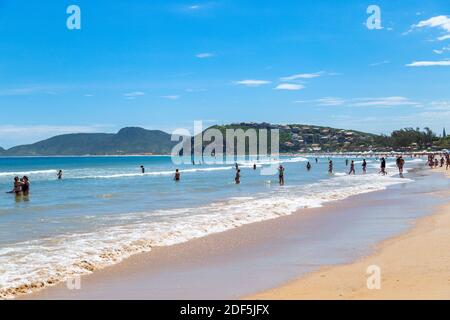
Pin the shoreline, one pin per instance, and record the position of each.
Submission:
(146, 275)
(413, 265)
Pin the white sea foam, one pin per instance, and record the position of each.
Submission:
(33, 264)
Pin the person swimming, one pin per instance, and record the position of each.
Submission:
(308, 166)
(352, 168)
(59, 174)
(364, 166)
(281, 175)
(177, 175)
(237, 178)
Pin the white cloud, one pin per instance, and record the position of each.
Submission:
(133, 95)
(205, 55)
(429, 63)
(194, 7)
(302, 76)
(252, 83)
(441, 22)
(442, 38)
(289, 86)
(171, 97)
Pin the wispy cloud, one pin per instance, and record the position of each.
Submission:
(289, 86)
(383, 102)
(171, 97)
(429, 63)
(133, 95)
(375, 64)
(301, 76)
(252, 83)
(331, 101)
(205, 55)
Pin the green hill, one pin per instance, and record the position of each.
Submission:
(126, 141)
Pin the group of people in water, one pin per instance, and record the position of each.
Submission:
(434, 162)
(22, 185)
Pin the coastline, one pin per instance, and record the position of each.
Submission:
(251, 258)
(413, 265)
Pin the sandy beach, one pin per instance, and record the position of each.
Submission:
(414, 265)
(256, 257)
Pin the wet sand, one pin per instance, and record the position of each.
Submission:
(264, 255)
(415, 265)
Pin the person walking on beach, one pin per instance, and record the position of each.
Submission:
(352, 168)
(447, 162)
(177, 176)
(237, 178)
(364, 166)
(330, 167)
(142, 169)
(281, 175)
(308, 166)
(383, 166)
(59, 174)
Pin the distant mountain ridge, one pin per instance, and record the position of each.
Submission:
(131, 140)
(293, 138)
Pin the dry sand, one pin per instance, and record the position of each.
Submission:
(415, 265)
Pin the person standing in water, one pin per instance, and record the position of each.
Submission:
(17, 187)
(317, 160)
(281, 175)
(352, 168)
(364, 166)
(383, 166)
(346, 162)
(308, 166)
(25, 186)
(254, 166)
(330, 167)
(400, 162)
(237, 178)
(142, 169)
(59, 174)
(177, 175)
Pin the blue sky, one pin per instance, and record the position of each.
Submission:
(164, 64)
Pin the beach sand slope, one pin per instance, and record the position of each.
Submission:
(415, 265)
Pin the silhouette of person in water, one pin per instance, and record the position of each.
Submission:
(330, 167)
(364, 166)
(59, 174)
(142, 169)
(237, 178)
(281, 175)
(352, 168)
(25, 186)
(308, 166)
(177, 175)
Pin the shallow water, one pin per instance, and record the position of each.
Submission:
(104, 209)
